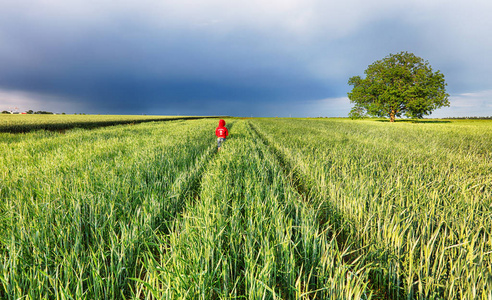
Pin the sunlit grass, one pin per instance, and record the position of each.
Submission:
(288, 209)
(78, 210)
(416, 198)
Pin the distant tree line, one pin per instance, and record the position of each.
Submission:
(39, 112)
(31, 112)
(474, 118)
(42, 112)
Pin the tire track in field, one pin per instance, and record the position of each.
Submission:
(295, 177)
(185, 191)
(298, 183)
(196, 181)
(187, 186)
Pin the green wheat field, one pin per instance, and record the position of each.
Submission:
(287, 209)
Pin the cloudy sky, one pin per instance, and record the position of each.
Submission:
(226, 57)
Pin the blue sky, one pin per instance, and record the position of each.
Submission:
(225, 57)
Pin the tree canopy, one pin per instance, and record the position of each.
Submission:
(399, 84)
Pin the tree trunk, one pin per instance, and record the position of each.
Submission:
(392, 116)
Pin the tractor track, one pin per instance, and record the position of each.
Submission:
(298, 183)
(188, 188)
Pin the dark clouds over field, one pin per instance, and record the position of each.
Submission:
(222, 57)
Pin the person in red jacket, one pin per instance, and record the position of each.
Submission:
(221, 132)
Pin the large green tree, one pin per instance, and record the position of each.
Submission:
(398, 84)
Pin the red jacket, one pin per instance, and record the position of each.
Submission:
(221, 131)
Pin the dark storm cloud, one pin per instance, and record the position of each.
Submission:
(226, 57)
(140, 70)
